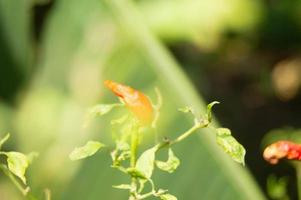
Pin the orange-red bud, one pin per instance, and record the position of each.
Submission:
(136, 101)
(282, 149)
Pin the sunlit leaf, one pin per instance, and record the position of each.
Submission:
(17, 164)
(102, 109)
(171, 164)
(89, 149)
(230, 145)
(145, 163)
(168, 197)
(4, 139)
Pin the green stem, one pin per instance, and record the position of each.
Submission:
(134, 147)
(149, 194)
(25, 191)
(298, 172)
(47, 194)
(13, 179)
(182, 136)
(188, 133)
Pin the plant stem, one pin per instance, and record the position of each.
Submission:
(188, 133)
(25, 191)
(13, 179)
(47, 194)
(182, 136)
(298, 172)
(134, 146)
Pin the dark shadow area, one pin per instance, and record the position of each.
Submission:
(238, 75)
(11, 77)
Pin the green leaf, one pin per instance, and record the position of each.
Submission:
(89, 149)
(168, 197)
(136, 173)
(209, 110)
(171, 164)
(145, 163)
(102, 109)
(121, 152)
(185, 109)
(230, 145)
(4, 139)
(17, 164)
(123, 187)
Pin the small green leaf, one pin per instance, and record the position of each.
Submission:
(99, 110)
(102, 109)
(230, 145)
(185, 109)
(168, 197)
(17, 164)
(89, 149)
(121, 152)
(136, 173)
(4, 139)
(145, 163)
(171, 164)
(123, 187)
(117, 158)
(209, 110)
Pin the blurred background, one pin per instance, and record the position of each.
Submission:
(55, 54)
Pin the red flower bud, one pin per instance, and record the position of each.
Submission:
(136, 101)
(282, 149)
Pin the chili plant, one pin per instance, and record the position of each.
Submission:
(144, 114)
(284, 144)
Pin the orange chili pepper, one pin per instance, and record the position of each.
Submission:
(136, 101)
(282, 149)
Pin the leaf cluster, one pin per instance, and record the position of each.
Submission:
(141, 169)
